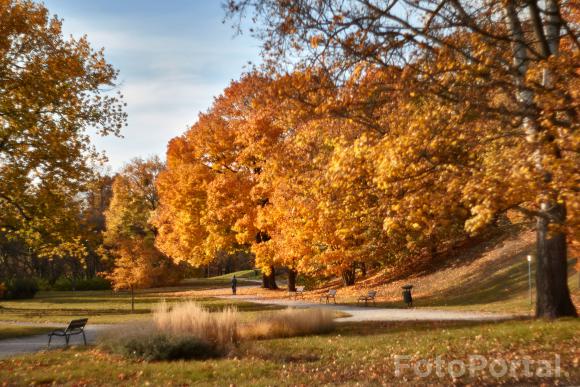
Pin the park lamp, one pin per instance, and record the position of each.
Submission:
(529, 258)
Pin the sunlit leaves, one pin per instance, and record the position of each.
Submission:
(52, 92)
(130, 235)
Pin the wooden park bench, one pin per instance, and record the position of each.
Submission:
(75, 327)
(370, 296)
(331, 294)
(299, 292)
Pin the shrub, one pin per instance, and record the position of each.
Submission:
(62, 284)
(43, 284)
(288, 323)
(20, 288)
(96, 283)
(165, 347)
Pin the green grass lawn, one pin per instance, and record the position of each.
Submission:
(8, 331)
(108, 307)
(243, 274)
(354, 353)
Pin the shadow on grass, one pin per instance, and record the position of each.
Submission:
(102, 306)
(370, 328)
(492, 284)
(70, 312)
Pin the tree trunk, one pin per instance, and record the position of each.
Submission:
(349, 276)
(272, 276)
(229, 265)
(578, 270)
(269, 281)
(292, 280)
(132, 300)
(552, 293)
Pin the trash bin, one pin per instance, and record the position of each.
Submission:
(407, 297)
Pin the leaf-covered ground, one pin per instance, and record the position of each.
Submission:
(361, 353)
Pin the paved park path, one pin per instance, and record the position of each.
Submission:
(29, 344)
(372, 313)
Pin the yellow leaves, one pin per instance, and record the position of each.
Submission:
(379, 165)
(482, 216)
(140, 265)
(390, 226)
(315, 40)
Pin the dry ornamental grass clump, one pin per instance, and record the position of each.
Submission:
(190, 331)
(288, 323)
(191, 319)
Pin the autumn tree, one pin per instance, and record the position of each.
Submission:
(324, 208)
(52, 92)
(129, 235)
(254, 171)
(494, 77)
(134, 267)
(208, 201)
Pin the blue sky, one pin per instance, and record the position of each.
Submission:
(174, 56)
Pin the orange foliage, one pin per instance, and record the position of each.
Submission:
(365, 162)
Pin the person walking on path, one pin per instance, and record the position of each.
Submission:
(234, 284)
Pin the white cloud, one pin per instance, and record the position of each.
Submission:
(159, 109)
(167, 79)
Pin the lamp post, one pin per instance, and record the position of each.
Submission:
(529, 258)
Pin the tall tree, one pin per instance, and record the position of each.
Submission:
(134, 267)
(52, 92)
(129, 235)
(208, 202)
(497, 64)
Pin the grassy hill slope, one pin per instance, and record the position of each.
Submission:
(491, 276)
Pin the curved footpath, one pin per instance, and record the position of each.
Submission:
(372, 313)
(36, 343)
(30, 344)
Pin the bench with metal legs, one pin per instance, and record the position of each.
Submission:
(370, 296)
(76, 327)
(299, 292)
(330, 295)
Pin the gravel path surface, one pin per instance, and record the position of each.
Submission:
(371, 313)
